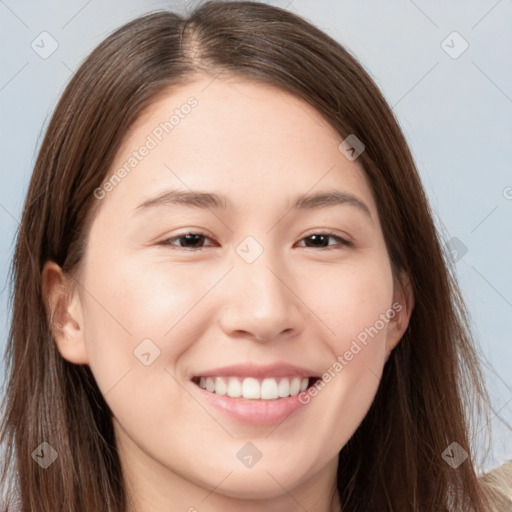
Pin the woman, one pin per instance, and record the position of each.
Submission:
(261, 366)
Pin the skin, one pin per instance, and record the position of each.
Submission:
(298, 302)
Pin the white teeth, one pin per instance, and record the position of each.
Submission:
(221, 387)
(284, 388)
(269, 389)
(295, 386)
(210, 384)
(234, 387)
(252, 388)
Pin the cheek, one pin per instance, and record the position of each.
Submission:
(132, 312)
(138, 323)
(351, 300)
(144, 298)
(356, 305)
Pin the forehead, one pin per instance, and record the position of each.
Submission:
(246, 140)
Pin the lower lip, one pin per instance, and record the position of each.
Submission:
(261, 412)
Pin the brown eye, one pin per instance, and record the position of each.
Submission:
(320, 241)
(188, 241)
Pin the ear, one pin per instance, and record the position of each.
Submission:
(64, 311)
(403, 304)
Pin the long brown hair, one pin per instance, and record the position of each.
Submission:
(431, 382)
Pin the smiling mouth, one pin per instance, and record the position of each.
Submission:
(269, 388)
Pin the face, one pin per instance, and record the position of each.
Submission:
(278, 280)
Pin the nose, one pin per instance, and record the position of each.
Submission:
(260, 302)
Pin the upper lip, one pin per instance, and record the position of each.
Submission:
(253, 370)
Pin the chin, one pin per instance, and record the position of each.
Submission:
(257, 484)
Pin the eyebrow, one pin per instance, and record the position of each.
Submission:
(209, 200)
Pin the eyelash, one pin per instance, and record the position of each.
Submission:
(342, 241)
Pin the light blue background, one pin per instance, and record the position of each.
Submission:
(456, 114)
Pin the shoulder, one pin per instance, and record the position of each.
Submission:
(499, 484)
